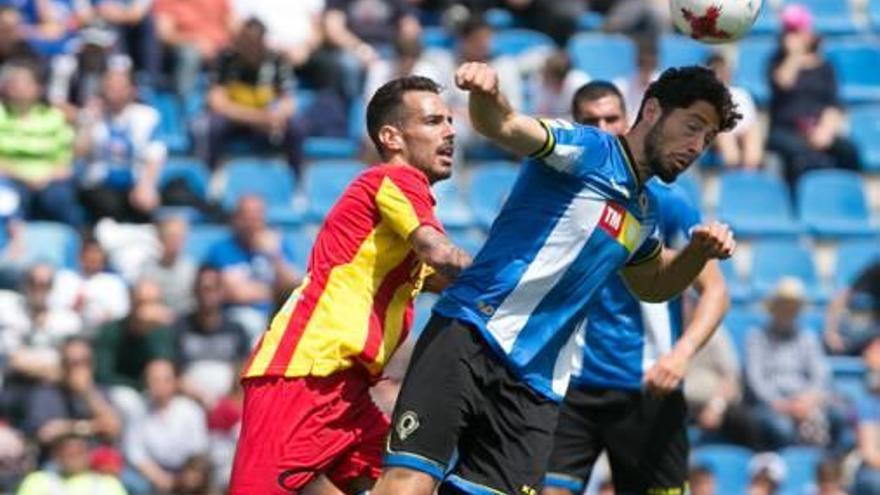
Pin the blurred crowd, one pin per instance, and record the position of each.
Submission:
(119, 360)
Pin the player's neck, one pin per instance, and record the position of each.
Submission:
(635, 142)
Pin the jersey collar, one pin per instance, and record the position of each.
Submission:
(630, 161)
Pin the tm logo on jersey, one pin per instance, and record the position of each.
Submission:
(619, 224)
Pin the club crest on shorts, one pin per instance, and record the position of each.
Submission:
(407, 424)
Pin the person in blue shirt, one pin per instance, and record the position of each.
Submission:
(619, 399)
(488, 373)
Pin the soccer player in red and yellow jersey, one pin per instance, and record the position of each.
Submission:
(308, 415)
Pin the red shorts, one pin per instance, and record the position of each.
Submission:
(294, 429)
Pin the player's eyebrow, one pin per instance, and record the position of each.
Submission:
(700, 118)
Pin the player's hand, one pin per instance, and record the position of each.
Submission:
(666, 374)
(714, 240)
(477, 77)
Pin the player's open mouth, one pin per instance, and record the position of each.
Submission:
(446, 152)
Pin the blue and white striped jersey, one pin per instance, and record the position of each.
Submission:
(622, 337)
(577, 213)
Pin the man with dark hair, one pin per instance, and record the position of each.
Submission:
(308, 419)
(614, 402)
(494, 361)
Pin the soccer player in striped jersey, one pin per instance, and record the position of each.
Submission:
(494, 361)
(625, 395)
(309, 424)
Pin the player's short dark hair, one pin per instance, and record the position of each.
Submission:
(473, 24)
(595, 90)
(384, 106)
(681, 87)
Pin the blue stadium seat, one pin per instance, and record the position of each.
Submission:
(848, 377)
(774, 259)
(767, 22)
(740, 291)
(590, 21)
(192, 170)
(603, 56)
(756, 204)
(172, 120)
(452, 210)
(677, 50)
(832, 203)
(739, 322)
(301, 245)
(801, 463)
(490, 185)
(271, 180)
(51, 242)
(874, 14)
(467, 239)
(853, 61)
(691, 186)
(751, 69)
(853, 256)
(729, 463)
(325, 181)
(326, 148)
(422, 310)
(864, 128)
(201, 238)
(437, 38)
(812, 319)
(513, 42)
(832, 18)
(499, 19)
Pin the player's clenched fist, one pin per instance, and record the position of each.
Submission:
(714, 240)
(477, 76)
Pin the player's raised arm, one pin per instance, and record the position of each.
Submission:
(667, 275)
(491, 113)
(435, 249)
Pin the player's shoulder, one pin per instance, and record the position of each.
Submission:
(402, 175)
(669, 192)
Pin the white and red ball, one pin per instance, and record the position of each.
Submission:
(715, 21)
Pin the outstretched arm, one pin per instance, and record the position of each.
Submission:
(435, 249)
(492, 115)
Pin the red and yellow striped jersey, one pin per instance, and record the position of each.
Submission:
(355, 304)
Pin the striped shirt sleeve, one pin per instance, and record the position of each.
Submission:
(405, 201)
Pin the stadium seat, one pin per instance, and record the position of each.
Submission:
(864, 128)
(326, 148)
(874, 14)
(172, 121)
(774, 259)
(51, 242)
(324, 183)
(590, 21)
(751, 68)
(499, 19)
(831, 18)
(832, 203)
(467, 239)
(513, 42)
(490, 184)
(738, 322)
(422, 312)
(605, 56)
(437, 38)
(452, 211)
(201, 238)
(691, 186)
(767, 22)
(740, 291)
(729, 463)
(756, 204)
(271, 180)
(848, 377)
(301, 245)
(801, 463)
(677, 50)
(853, 256)
(191, 170)
(853, 61)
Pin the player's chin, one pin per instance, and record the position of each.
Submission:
(442, 168)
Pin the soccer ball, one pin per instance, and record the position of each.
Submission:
(715, 21)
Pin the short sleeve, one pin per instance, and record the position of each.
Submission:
(405, 201)
(678, 214)
(648, 250)
(573, 148)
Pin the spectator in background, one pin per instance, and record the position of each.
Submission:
(787, 373)
(51, 26)
(192, 34)
(71, 474)
(250, 97)
(161, 443)
(359, 29)
(743, 147)
(600, 104)
(805, 112)
(256, 266)
(556, 86)
(173, 270)
(210, 347)
(36, 148)
(121, 155)
(557, 19)
(15, 460)
(293, 29)
(634, 87)
(829, 478)
(124, 347)
(95, 293)
(75, 79)
(767, 472)
(641, 19)
(133, 22)
(701, 481)
(75, 405)
(867, 479)
(12, 43)
(408, 60)
(853, 315)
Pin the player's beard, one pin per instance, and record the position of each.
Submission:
(652, 152)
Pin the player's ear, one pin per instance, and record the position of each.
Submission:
(652, 111)
(391, 138)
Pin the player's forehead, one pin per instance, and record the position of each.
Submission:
(701, 111)
(422, 104)
(602, 106)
